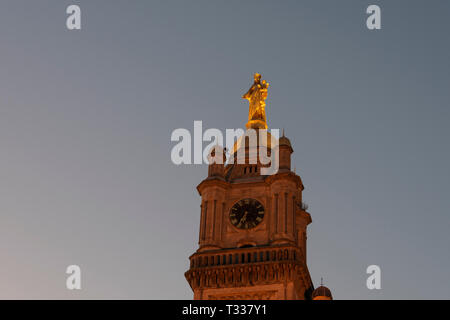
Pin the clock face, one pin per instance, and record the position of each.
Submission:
(246, 213)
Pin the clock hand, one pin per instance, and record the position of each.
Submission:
(244, 217)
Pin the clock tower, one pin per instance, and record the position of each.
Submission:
(252, 238)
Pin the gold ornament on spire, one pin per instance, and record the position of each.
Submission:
(256, 97)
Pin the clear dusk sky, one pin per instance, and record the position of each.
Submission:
(86, 118)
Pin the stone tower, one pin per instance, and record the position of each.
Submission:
(252, 239)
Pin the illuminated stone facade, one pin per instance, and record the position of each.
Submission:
(252, 238)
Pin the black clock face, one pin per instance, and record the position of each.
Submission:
(246, 213)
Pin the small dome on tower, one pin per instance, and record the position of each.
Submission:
(284, 141)
(217, 155)
(322, 293)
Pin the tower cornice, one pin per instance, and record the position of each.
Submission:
(289, 175)
(213, 182)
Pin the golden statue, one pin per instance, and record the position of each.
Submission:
(256, 96)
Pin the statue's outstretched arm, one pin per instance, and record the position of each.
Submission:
(249, 93)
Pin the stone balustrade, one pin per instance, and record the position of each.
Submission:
(245, 256)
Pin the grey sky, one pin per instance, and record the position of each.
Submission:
(86, 118)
